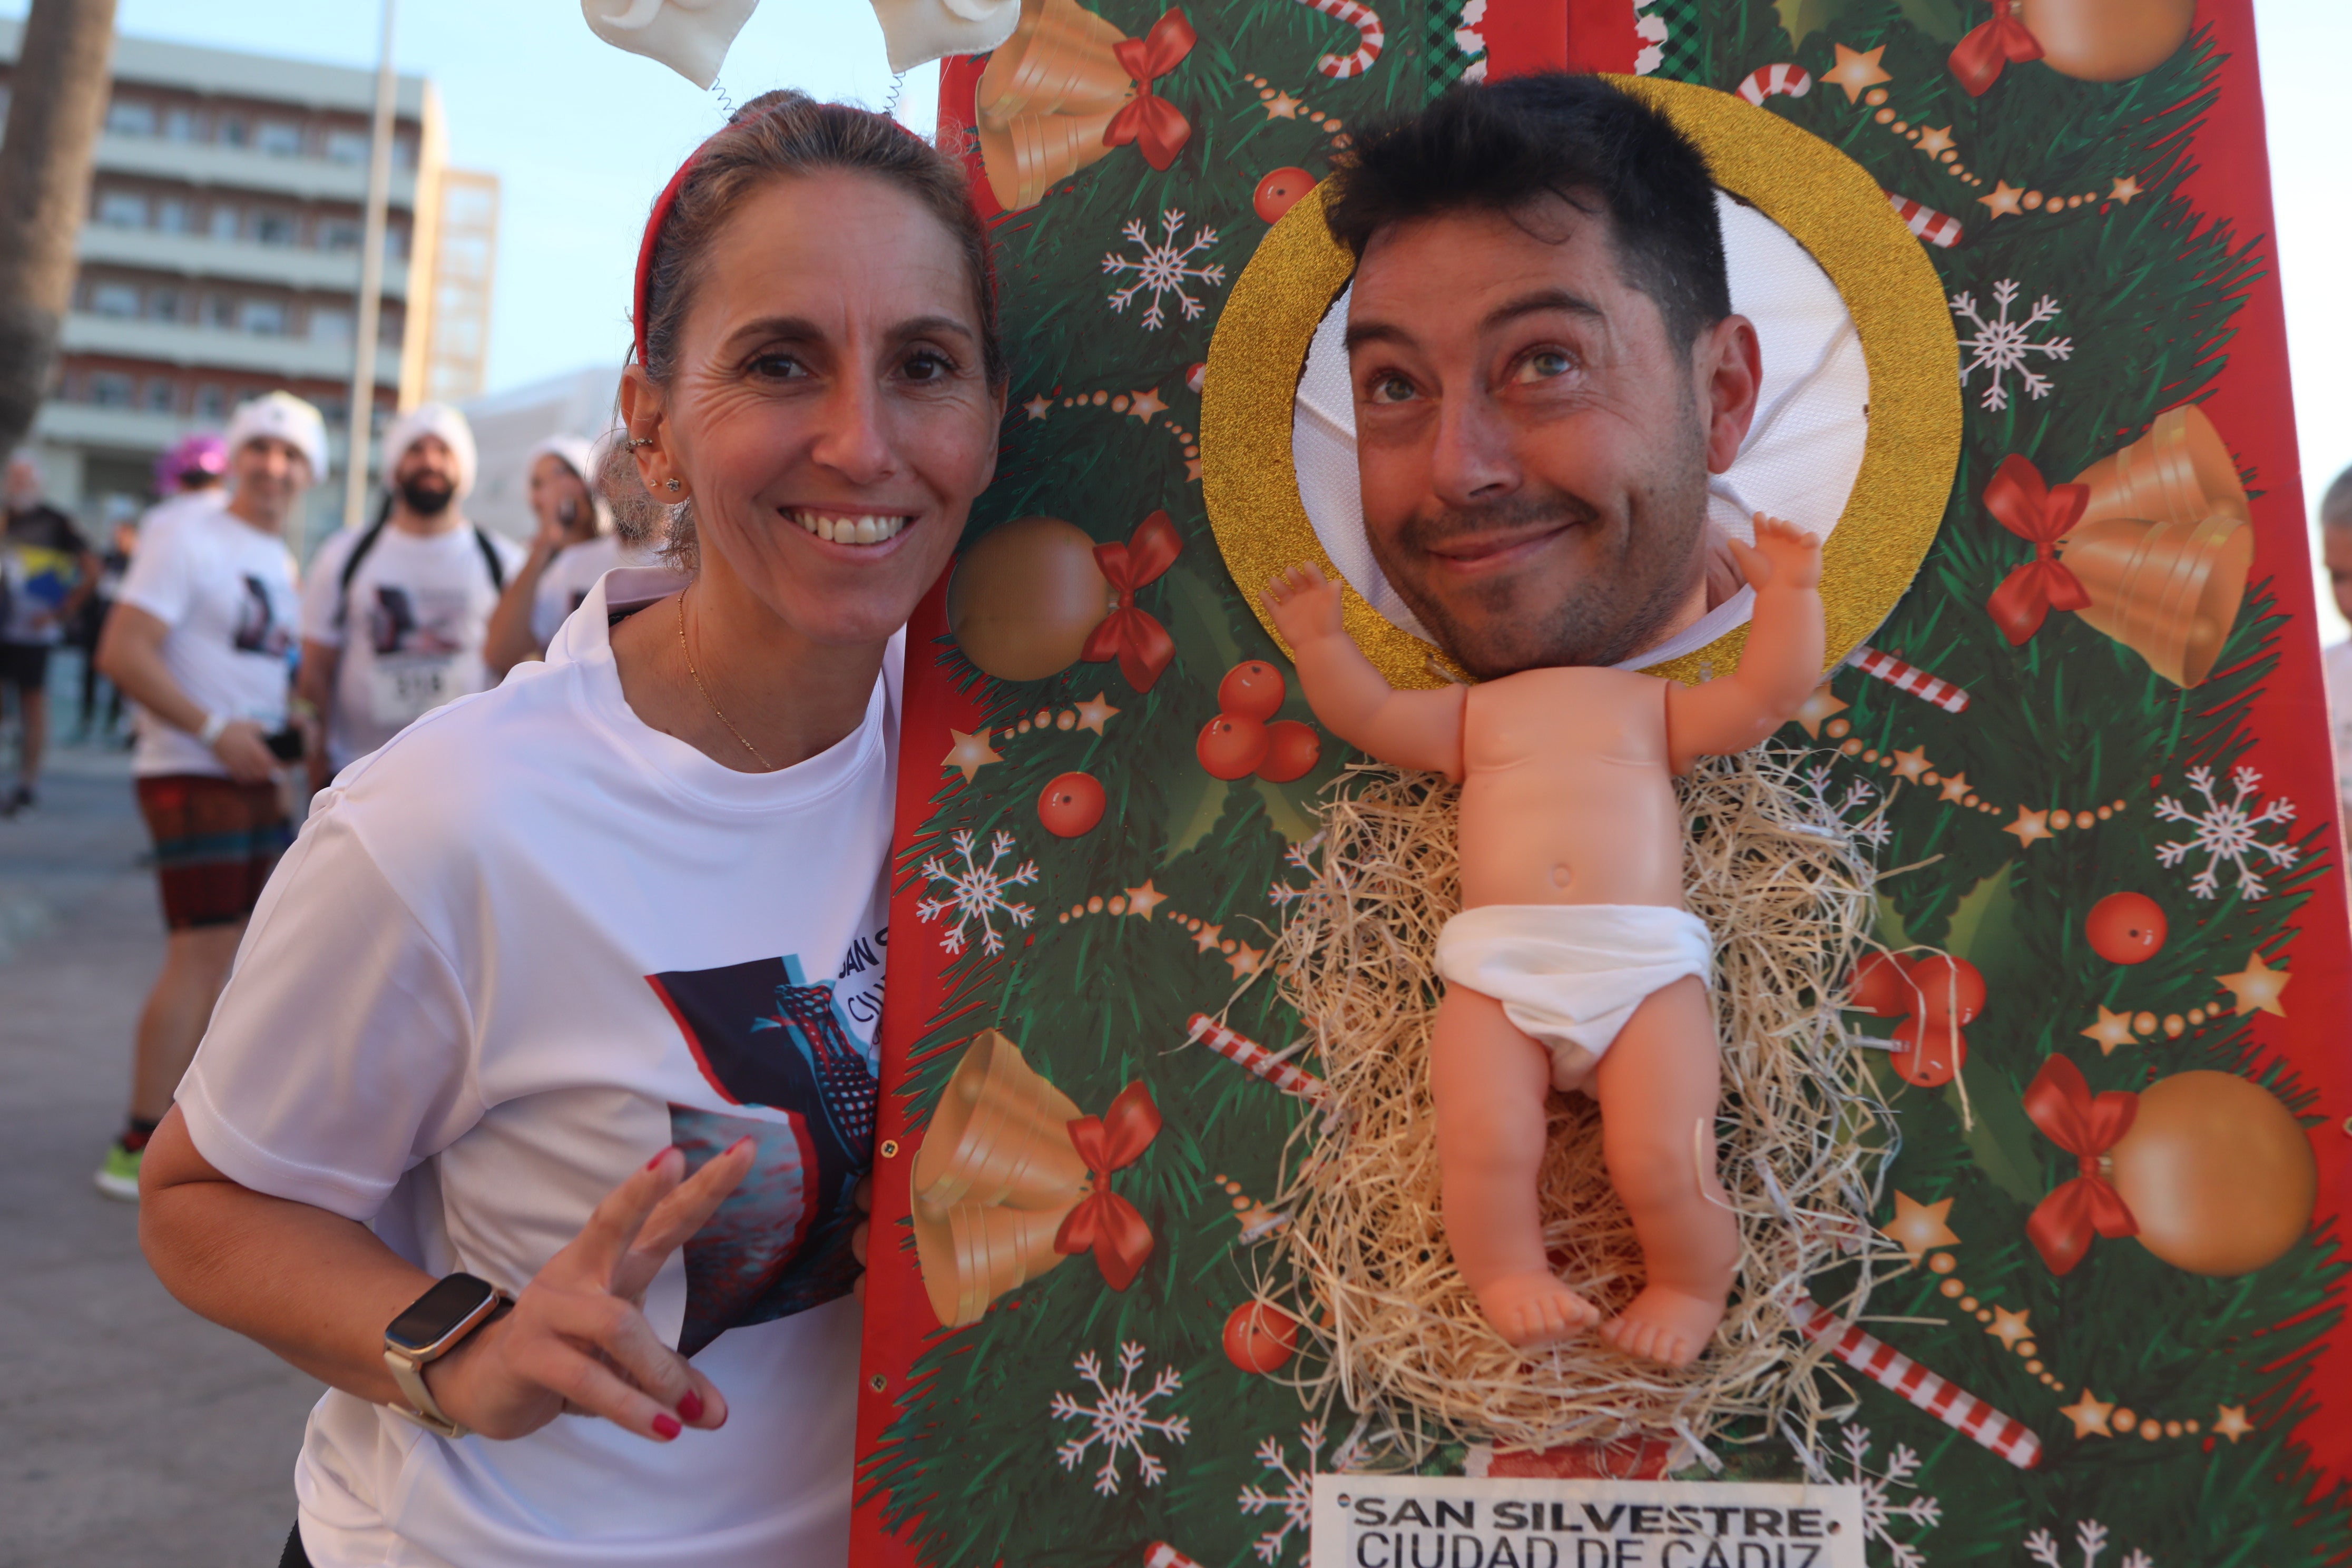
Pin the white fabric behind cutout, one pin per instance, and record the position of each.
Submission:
(1799, 460)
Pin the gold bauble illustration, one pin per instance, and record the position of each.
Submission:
(2217, 1173)
(2107, 41)
(1024, 597)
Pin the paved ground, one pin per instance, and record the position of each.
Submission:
(130, 1430)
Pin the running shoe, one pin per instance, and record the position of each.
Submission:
(119, 1176)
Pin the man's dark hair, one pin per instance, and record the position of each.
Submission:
(1500, 147)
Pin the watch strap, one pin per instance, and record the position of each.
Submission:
(425, 1410)
(214, 723)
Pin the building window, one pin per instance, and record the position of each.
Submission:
(279, 138)
(173, 217)
(347, 146)
(163, 304)
(160, 395)
(234, 130)
(395, 244)
(212, 403)
(110, 389)
(333, 410)
(179, 125)
(114, 299)
(223, 221)
(403, 149)
(340, 233)
(265, 318)
(123, 209)
(220, 311)
(131, 118)
(274, 227)
(330, 326)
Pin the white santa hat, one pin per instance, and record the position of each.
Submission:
(579, 454)
(281, 416)
(432, 419)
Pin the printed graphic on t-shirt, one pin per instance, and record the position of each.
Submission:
(780, 1244)
(417, 635)
(259, 630)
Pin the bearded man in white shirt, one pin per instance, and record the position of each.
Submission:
(199, 639)
(394, 615)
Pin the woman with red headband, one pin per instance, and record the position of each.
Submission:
(533, 1118)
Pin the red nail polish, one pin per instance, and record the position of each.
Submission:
(655, 1162)
(665, 1426)
(740, 1142)
(690, 1408)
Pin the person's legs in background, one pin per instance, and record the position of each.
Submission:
(24, 667)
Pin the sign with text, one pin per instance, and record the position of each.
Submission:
(1452, 1522)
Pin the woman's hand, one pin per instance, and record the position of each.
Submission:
(577, 1339)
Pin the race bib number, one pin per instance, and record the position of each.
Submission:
(1454, 1522)
(410, 688)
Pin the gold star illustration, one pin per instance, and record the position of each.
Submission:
(1935, 142)
(2124, 190)
(1193, 469)
(1910, 764)
(2113, 1029)
(1144, 405)
(2010, 1327)
(2030, 826)
(1856, 71)
(2003, 201)
(1094, 713)
(1207, 937)
(1037, 406)
(2258, 986)
(2089, 1416)
(1144, 899)
(1819, 708)
(1245, 960)
(970, 753)
(1955, 787)
(1282, 106)
(2231, 1422)
(1919, 1227)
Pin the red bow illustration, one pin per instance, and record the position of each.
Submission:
(1978, 58)
(1133, 637)
(2059, 1102)
(1155, 125)
(1103, 1220)
(2041, 514)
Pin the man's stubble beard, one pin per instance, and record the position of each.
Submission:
(1623, 606)
(427, 497)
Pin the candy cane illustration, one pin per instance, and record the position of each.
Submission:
(1926, 222)
(1248, 1054)
(1768, 81)
(1370, 38)
(1909, 678)
(1945, 1400)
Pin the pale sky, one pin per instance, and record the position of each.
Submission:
(581, 135)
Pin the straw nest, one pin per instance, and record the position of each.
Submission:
(1803, 1132)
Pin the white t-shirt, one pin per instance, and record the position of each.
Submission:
(565, 585)
(2335, 663)
(412, 634)
(212, 497)
(226, 590)
(511, 956)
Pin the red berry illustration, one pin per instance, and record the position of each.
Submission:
(1071, 805)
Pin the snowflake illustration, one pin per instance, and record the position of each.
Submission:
(1880, 1510)
(1297, 1497)
(1120, 1417)
(1300, 857)
(2227, 832)
(1872, 829)
(2001, 344)
(1163, 269)
(2091, 1537)
(976, 892)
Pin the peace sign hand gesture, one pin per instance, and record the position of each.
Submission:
(577, 1339)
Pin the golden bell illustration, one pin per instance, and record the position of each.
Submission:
(999, 1136)
(2180, 472)
(1059, 61)
(970, 1255)
(1024, 156)
(2168, 590)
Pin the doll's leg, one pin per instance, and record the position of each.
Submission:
(1489, 1081)
(1658, 1084)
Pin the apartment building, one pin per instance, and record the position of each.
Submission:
(221, 258)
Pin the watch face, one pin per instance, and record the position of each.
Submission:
(435, 1315)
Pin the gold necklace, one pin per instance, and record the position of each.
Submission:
(756, 757)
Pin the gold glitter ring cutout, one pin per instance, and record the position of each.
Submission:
(1824, 200)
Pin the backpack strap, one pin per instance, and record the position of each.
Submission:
(490, 559)
(367, 541)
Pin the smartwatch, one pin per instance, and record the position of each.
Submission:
(433, 1326)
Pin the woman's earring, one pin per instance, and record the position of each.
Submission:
(673, 486)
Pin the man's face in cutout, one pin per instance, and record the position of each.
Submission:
(1533, 445)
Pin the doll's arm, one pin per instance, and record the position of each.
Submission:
(1781, 664)
(1355, 701)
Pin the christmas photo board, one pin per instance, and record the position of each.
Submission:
(2030, 928)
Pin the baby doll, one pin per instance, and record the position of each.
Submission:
(1573, 964)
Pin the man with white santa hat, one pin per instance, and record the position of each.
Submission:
(394, 614)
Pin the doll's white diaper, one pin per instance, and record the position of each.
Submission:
(1571, 974)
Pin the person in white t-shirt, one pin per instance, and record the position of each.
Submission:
(2336, 662)
(394, 614)
(200, 637)
(569, 993)
(576, 545)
